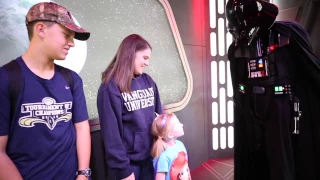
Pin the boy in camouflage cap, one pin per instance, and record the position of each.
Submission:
(48, 134)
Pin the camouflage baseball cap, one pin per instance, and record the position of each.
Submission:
(49, 11)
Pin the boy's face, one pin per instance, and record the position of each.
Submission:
(57, 41)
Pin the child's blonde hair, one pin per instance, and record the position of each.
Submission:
(160, 129)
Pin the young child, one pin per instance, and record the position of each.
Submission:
(170, 155)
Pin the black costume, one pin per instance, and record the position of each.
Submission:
(276, 81)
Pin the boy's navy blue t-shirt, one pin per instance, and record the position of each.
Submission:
(41, 137)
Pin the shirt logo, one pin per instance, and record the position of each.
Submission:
(138, 99)
(67, 87)
(47, 112)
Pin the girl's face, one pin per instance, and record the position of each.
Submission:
(141, 60)
(177, 127)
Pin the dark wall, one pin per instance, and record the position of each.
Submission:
(315, 33)
(308, 15)
(313, 24)
(191, 17)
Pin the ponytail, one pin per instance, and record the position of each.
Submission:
(160, 130)
(158, 147)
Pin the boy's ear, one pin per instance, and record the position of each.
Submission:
(39, 29)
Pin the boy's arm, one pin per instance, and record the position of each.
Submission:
(83, 141)
(80, 119)
(7, 168)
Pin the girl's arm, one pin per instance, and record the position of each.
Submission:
(157, 104)
(160, 176)
(110, 116)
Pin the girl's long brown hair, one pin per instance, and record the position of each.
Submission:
(121, 68)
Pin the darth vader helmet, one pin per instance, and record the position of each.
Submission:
(247, 17)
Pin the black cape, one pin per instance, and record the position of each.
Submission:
(284, 156)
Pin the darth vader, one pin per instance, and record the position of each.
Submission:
(276, 82)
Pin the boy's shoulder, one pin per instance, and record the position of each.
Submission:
(4, 80)
(11, 75)
(67, 70)
(72, 78)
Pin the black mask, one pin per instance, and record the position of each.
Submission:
(247, 17)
